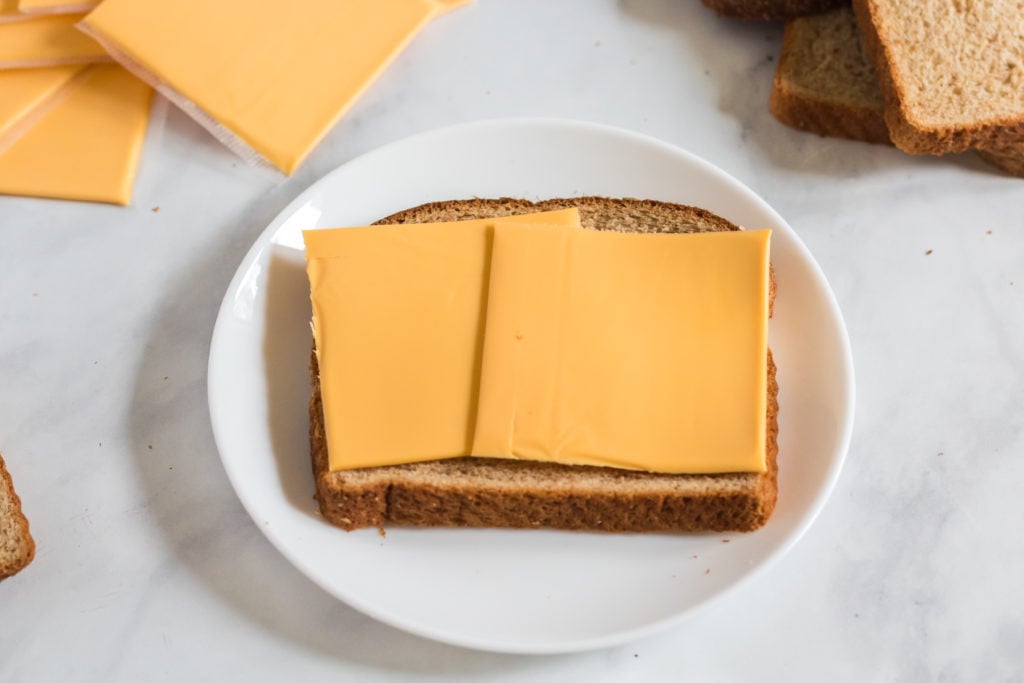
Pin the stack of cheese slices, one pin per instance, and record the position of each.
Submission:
(72, 122)
(590, 363)
(932, 77)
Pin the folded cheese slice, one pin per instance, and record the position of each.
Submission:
(268, 79)
(87, 146)
(637, 351)
(398, 323)
(47, 41)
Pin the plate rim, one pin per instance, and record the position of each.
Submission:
(265, 240)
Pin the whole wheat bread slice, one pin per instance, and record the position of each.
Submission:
(770, 10)
(16, 545)
(825, 84)
(951, 71)
(488, 492)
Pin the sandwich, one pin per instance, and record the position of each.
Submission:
(501, 491)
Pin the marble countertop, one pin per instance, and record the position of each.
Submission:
(148, 568)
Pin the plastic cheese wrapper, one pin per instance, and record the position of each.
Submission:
(47, 41)
(56, 6)
(87, 146)
(268, 79)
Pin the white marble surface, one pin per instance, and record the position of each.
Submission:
(148, 568)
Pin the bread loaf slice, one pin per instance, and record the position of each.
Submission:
(951, 71)
(823, 81)
(16, 545)
(490, 492)
(769, 10)
(825, 84)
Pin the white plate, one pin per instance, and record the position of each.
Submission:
(505, 590)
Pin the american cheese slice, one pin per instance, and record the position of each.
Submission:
(25, 91)
(87, 147)
(56, 6)
(47, 41)
(398, 315)
(9, 11)
(636, 351)
(270, 78)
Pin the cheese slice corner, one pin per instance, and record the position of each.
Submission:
(47, 41)
(86, 147)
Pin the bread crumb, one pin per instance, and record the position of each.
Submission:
(149, 446)
(382, 532)
(707, 571)
(725, 540)
(928, 253)
(695, 557)
(988, 232)
(940, 453)
(156, 209)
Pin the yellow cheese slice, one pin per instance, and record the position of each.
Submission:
(636, 351)
(55, 6)
(87, 147)
(47, 41)
(9, 11)
(398, 325)
(270, 78)
(23, 92)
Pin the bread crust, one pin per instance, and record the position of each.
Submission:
(17, 548)
(1009, 158)
(907, 134)
(491, 492)
(799, 109)
(769, 10)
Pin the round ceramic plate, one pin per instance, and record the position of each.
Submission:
(535, 591)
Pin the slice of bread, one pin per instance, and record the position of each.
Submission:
(824, 83)
(951, 72)
(770, 10)
(488, 492)
(16, 545)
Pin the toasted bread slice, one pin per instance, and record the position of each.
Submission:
(769, 10)
(951, 73)
(16, 545)
(824, 83)
(489, 492)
